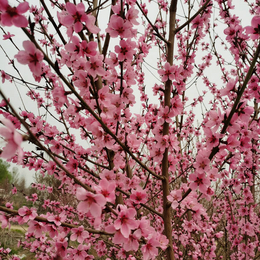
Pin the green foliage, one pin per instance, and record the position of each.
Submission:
(4, 172)
(19, 231)
(9, 239)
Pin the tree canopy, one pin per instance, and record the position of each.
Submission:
(142, 118)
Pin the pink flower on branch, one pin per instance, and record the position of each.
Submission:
(165, 115)
(132, 243)
(138, 196)
(4, 221)
(200, 181)
(8, 36)
(31, 56)
(202, 161)
(126, 220)
(13, 15)
(174, 197)
(254, 29)
(92, 203)
(170, 72)
(80, 252)
(27, 214)
(107, 189)
(4, 77)
(119, 27)
(76, 16)
(61, 245)
(150, 250)
(126, 50)
(57, 219)
(79, 234)
(94, 66)
(36, 228)
(13, 139)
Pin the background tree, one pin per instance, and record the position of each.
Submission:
(5, 178)
(4, 171)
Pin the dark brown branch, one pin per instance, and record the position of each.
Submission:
(193, 17)
(63, 224)
(154, 28)
(107, 39)
(53, 22)
(165, 162)
(239, 95)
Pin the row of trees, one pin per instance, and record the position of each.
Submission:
(177, 180)
(13, 187)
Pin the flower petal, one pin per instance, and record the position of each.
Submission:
(22, 7)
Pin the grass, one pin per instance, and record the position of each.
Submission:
(9, 239)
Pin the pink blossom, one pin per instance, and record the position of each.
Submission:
(34, 197)
(4, 77)
(79, 234)
(90, 202)
(126, 50)
(80, 253)
(254, 29)
(76, 16)
(37, 228)
(132, 15)
(199, 180)
(112, 60)
(138, 196)
(165, 115)
(119, 27)
(107, 189)
(232, 142)
(197, 22)
(4, 221)
(169, 72)
(14, 190)
(13, 139)
(95, 66)
(215, 120)
(244, 113)
(89, 48)
(9, 205)
(50, 189)
(212, 138)
(57, 219)
(125, 221)
(163, 240)
(13, 15)
(31, 56)
(52, 230)
(150, 250)
(132, 243)
(174, 198)
(61, 248)
(177, 106)
(133, 142)
(27, 214)
(202, 162)
(7, 36)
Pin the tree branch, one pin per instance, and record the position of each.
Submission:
(63, 224)
(193, 17)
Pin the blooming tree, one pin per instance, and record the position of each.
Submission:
(164, 183)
